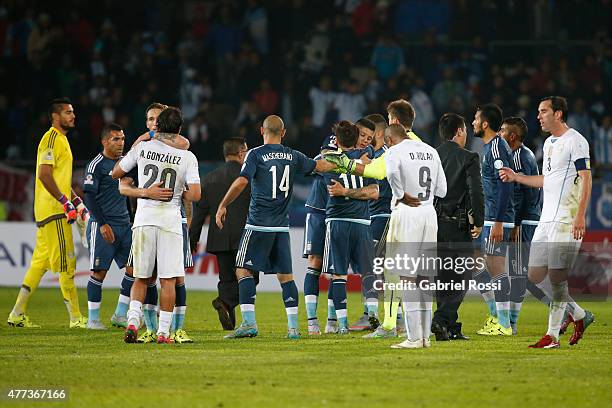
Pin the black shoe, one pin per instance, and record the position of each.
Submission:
(455, 333)
(224, 316)
(440, 331)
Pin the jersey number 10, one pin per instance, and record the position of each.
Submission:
(284, 182)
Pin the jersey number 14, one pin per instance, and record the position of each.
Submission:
(284, 181)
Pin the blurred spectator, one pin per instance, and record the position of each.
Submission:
(351, 103)
(387, 57)
(602, 142)
(256, 20)
(266, 98)
(579, 119)
(446, 89)
(322, 99)
(363, 19)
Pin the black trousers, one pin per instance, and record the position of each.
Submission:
(452, 243)
(228, 284)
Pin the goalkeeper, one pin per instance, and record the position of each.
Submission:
(56, 208)
(399, 112)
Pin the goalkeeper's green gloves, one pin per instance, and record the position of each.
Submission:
(342, 162)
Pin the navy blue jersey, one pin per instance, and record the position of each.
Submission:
(527, 200)
(498, 195)
(330, 143)
(344, 208)
(317, 198)
(99, 183)
(271, 170)
(383, 204)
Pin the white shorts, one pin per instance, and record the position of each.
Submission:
(151, 244)
(413, 233)
(553, 245)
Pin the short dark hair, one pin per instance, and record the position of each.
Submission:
(396, 130)
(155, 105)
(232, 146)
(346, 132)
(366, 123)
(379, 120)
(108, 128)
(558, 103)
(403, 111)
(519, 125)
(170, 120)
(449, 124)
(55, 106)
(492, 114)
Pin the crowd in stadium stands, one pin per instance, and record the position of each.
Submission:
(228, 63)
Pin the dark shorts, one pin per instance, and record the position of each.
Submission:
(495, 248)
(348, 243)
(377, 227)
(101, 253)
(314, 234)
(519, 252)
(267, 252)
(187, 258)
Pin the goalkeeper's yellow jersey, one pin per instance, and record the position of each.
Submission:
(377, 169)
(53, 150)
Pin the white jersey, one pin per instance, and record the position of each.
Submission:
(415, 168)
(562, 185)
(158, 162)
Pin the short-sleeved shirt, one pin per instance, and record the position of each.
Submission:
(562, 185)
(382, 206)
(318, 196)
(345, 208)
(271, 170)
(98, 181)
(53, 150)
(527, 200)
(158, 162)
(496, 154)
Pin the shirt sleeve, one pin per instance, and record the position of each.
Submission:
(91, 182)
(249, 166)
(192, 175)
(440, 188)
(50, 152)
(306, 165)
(129, 161)
(580, 154)
(376, 169)
(394, 175)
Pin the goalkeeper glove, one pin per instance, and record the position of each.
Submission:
(341, 161)
(81, 209)
(82, 220)
(69, 210)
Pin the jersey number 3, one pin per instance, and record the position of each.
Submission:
(284, 182)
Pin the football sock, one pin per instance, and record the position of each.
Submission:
(412, 318)
(557, 308)
(94, 298)
(537, 293)
(290, 298)
(502, 298)
(488, 295)
(574, 309)
(165, 320)
(370, 295)
(331, 310)
(70, 294)
(392, 299)
(180, 307)
(311, 292)
(123, 302)
(246, 296)
(339, 295)
(22, 301)
(134, 312)
(518, 288)
(150, 308)
(425, 311)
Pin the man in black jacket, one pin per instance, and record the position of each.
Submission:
(223, 243)
(462, 207)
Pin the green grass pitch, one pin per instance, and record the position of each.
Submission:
(98, 369)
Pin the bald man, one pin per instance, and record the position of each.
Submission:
(264, 246)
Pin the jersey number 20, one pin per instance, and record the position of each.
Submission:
(153, 170)
(284, 182)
